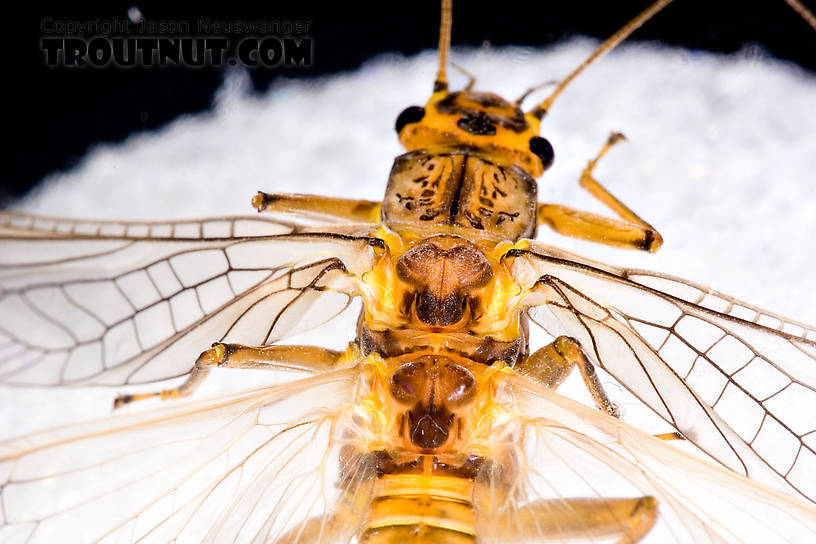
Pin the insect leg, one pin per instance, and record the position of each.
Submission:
(196, 378)
(632, 519)
(307, 358)
(670, 436)
(630, 233)
(319, 207)
(552, 364)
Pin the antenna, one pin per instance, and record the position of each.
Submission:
(804, 12)
(531, 90)
(541, 109)
(445, 22)
(471, 78)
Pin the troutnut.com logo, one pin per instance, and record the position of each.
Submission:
(125, 43)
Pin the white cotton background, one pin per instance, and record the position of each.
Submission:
(720, 158)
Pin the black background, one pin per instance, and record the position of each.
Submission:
(58, 113)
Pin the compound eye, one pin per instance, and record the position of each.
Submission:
(543, 149)
(408, 383)
(411, 114)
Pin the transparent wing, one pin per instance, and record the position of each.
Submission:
(694, 293)
(256, 466)
(741, 391)
(85, 302)
(566, 451)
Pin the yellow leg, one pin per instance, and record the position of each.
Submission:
(552, 364)
(670, 436)
(196, 378)
(306, 358)
(319, 207)
(631, 232)
(541, 521)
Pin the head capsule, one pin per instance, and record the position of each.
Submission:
(481, 122)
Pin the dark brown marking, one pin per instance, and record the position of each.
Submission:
(434, 386)
(383, 463)
(457, 385)
(401, 341)
(442, 270)
(648, 240)
(429, 426)
(462, 178)
(444, 265)
(407, 383)
(504, 113)
(474, 221)
(477, 123)
(439, 313)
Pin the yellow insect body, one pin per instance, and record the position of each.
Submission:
(497, 128)
(437, 423)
